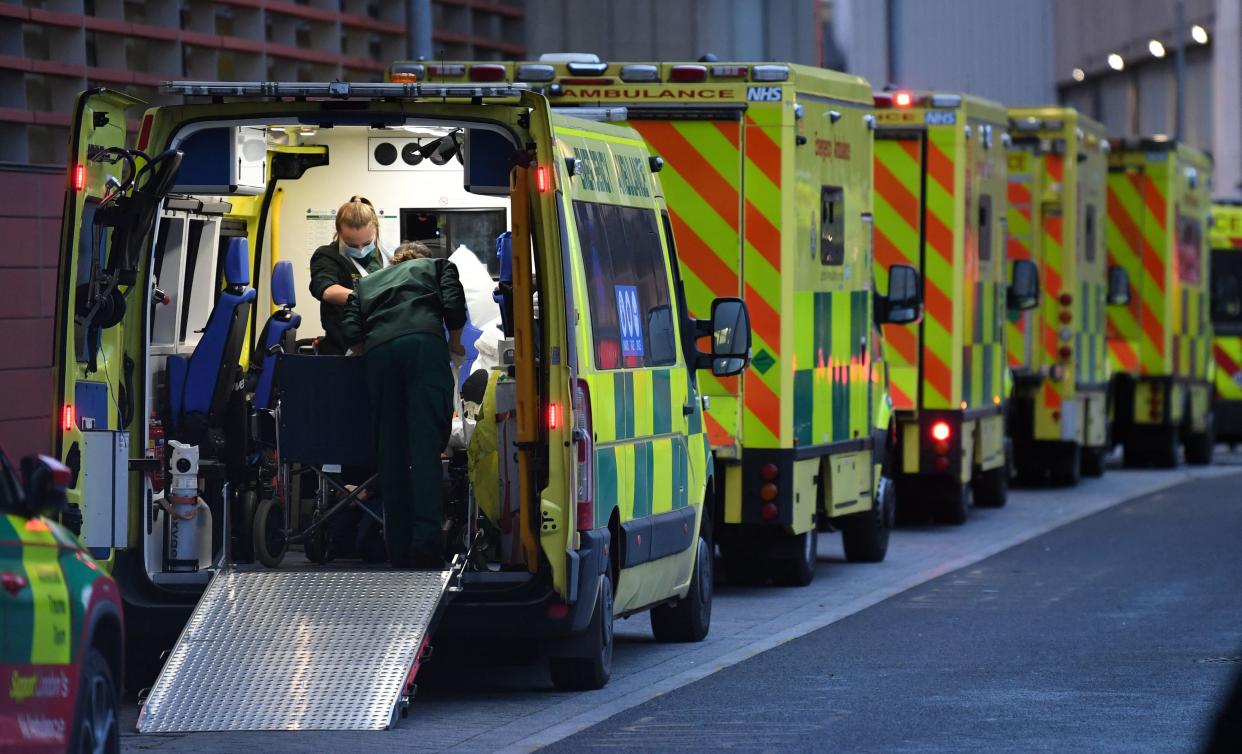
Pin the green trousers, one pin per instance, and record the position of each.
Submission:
(411, 389)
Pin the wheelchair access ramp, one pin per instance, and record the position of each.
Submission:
(298, 650)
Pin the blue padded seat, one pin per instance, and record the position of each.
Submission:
(199, 385)
(280, 330)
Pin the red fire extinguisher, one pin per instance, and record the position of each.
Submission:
(156, 442)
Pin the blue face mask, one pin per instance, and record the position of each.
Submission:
(357, 253)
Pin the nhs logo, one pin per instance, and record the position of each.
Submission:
(763, 94)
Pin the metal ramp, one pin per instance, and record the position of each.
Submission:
(297, 650)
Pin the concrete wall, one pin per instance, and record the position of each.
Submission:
(30, 227)
(742, 30)
(1001, 49)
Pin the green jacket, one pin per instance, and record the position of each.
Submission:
(329, 267)
(418, 296)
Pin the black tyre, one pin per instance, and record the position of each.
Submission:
(991, 488)
(243, 547)
(592, 671)
(316, 543)
(690, 618)
(1093, 461)
(865, 535)
(799, 569)
(270, 542)
(1201, 446)
(952, 505)
(96, 718)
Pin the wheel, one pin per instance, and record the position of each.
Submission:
(1093, 461)
(316, 543)
(798, 570)
(270, 542)
(1067, 471)
(1164, 451)
(865, 535)
(247, 504)
(592, 671)
(952, 505)
(96, 726)
(690, 617)
(1201, 446)
(991, 488)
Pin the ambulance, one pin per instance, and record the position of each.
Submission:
(940, 204)
(1226, 281)
(1160, 344)
(1059, 417)
(182, 262)
(767, 169)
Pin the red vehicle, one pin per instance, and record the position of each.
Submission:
(61, 626)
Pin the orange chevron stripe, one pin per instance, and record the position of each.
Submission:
(1052, 226)
(1153, 329)
(763, 235)
(731, 131)
(764, 320)
(938, 373)
(717, 435)
(1055, 165)
(1017, 249)
(1019, 195)
(1224, 360)
(695, 254)
(912, 148)
(900, 399)
(763, 403)
(1120, 218)
(1151, 197)
(937, 303)
(763, 152)
(1124, 353)
(939, 238)
(904, 341)
(897, 194)
(940, 167)
(1052, 399)
(691, 165)
(1154, 265)
(886, 252)
(1052, 281)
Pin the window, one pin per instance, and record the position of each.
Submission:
(1189, 249)
(985, 227)
(1227, 290)
(832, 225)
(627, 284)
(1088, 233)
(443, 231)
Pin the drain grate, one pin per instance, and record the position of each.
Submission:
(1235, 660)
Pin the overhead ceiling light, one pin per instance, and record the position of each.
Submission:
(1116, 62)
(1156, 47)
(1199, 34)
(1078, 74)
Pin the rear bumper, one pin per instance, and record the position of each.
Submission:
(527, 606)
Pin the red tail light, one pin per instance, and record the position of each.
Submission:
(542, 180)
(1066, 299)
(941, 431)
(487, 72)
(79, 177)
(902, 98)
(66, 417)
(688, 74)
(144, 133)
(1065, 352)
(768, 511)
(554, 416)
(769, 472)
(584, 443)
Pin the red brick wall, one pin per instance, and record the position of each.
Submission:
(29, 243)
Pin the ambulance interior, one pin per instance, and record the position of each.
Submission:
(446, 185)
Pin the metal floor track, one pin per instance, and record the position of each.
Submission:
(296, 650)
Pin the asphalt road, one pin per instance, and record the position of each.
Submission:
(1114, 633)
(475, 704)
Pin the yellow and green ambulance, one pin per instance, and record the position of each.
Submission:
(1160, 344)
(1226, 280)
(940, 203)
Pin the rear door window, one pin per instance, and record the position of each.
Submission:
(1227, 290)
(632, 317)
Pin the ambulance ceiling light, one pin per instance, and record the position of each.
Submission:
(535, 72)
(902, 98)
(487, 72)
(1199, 34)
(640, 73)
(1116, 62)
(769, 73)
(688, 74)
(946, 100)
(1156, 48)
(587, 69)
(729, 71)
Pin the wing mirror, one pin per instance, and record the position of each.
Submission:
(1023, 290)
(904, 303)
(729, 330)
(1118, 286)
(45, 480)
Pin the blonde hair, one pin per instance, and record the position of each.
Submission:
(410, 250)
(358, 212)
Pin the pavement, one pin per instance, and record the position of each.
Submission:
(471, 706)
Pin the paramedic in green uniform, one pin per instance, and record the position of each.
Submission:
(336, 267)
(397, 318)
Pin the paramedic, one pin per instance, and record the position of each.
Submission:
(397, 318)
(336, 267)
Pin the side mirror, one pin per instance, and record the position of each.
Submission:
(45, 480)
(1118, 286)
(1023, 291)
(729, 330)
(904, 303)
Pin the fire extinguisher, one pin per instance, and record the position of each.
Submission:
(156, 442)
